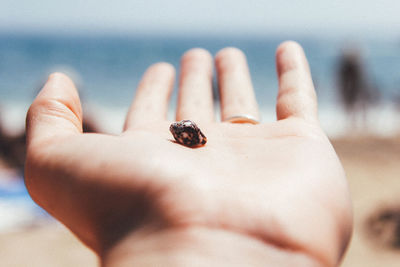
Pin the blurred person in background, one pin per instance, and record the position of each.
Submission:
(355, 91)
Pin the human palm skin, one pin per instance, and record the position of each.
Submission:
(279, 184)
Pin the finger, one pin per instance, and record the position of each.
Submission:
(296, 97)
(195, 99)
(152, 96)
(236, 89)
(56, 111)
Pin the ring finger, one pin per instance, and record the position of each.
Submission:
(235, 86)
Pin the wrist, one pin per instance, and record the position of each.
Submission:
(199, 246)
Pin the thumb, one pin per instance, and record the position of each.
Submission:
(56, 111)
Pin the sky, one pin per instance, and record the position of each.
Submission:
(365, 17)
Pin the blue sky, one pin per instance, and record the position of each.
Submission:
(364, 17)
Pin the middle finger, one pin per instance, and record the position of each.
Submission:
(195, 100)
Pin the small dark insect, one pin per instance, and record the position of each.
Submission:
(187, 133)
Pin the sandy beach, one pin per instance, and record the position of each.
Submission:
(373, 170)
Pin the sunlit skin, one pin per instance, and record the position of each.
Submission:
(272, 194)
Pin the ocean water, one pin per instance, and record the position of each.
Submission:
(107, 70)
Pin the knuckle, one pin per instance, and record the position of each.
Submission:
(55, 108)
(295, 102)
(300, 92)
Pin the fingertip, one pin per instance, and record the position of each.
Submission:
(288, 46)
(229, 52)
(231, 59)
(59, 76)
(290, 55)
(58, 81)
(162, 68)
(59, 84)
(196, 54)
(196, 60)
(160, 74)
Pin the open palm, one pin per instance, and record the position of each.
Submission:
(280, 183)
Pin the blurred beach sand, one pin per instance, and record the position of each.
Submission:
(373, 170)
(50, 245)
(372, 165)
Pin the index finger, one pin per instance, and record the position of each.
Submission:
(296, 97)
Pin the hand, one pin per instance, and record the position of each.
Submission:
(273, 189)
